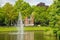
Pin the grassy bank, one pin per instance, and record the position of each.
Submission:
(28, 28)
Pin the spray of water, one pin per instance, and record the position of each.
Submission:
(20, 28)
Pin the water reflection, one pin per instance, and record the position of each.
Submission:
(41, 35)
(35, 35)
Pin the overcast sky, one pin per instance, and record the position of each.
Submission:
(31, 2)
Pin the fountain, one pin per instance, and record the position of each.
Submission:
(20, 32)
(20, 28)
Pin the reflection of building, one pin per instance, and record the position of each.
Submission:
(29, 21)
(42, 4)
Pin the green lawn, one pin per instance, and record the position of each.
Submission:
(27, 28)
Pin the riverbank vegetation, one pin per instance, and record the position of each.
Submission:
(43, 16)
(47, 18)
(8, 29)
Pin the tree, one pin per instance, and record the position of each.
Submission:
(54, 14)
(24, 8)
(9, 13)
(2, 17)
(39, 15)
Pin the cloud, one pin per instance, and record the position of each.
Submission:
(5, 1)
(34, 2)
(31, 2)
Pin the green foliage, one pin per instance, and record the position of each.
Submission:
(7, 10)
(9, 14)
(39, 15)
(24, 8)
(43, 16)
(2, 16)
(54, 14)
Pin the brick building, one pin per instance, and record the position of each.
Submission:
(29, 21)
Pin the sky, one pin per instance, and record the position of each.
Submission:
(31, 2)
(34, 2)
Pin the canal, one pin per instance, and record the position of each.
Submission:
(30, 35)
